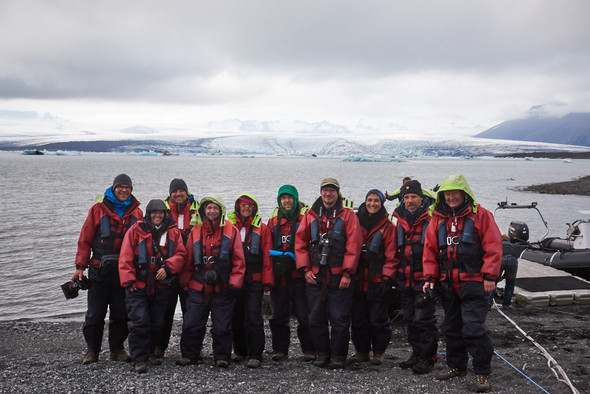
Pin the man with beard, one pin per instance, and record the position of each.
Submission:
(463, 253)
(152, 251)
(371, 329)
(98, 250)
(327, 249)
(412, 222)
(183, 208)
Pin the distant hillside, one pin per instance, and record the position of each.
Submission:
(572, 129)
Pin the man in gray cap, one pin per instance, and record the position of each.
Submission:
(98, 251)
(327, 248)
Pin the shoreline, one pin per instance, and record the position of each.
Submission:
(579, 186)
(46, 356)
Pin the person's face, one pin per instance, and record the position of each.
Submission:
(122, 192)
(412, 202)
(329, 196)
(157, 217)
(373, 204)
(212, 211)
(246, 210)
(179, 196)
(454, 198)
(287, 201)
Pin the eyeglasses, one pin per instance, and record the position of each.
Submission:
(123, 187)
(248, 206)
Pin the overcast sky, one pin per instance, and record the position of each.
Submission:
(450, 66)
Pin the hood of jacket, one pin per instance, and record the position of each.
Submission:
(454, 182)
(204, 202)
(233, 216)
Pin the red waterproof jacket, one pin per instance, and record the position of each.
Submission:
(345, 253)
(225, 245)
(447, 253)
(137, 250)
(410, 245)
(103, 241)
(257, 236)
(283, 232)
(378, 254)
(183, 217)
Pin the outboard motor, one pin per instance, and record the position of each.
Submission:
(518, 232)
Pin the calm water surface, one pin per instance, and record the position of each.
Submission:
(46, 199)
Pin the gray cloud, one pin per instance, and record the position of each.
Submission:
(240, 52)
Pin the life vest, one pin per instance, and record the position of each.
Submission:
(221, 260)
(253, 251)
(462, 251)
(110, 233)
(284, 265)
(372, 258)
(410, 245)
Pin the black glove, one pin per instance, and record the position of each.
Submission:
(389, 197)
(232, 292)
(383, 289)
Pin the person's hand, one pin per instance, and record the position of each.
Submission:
(489, 286)
(344, 282)
(77, 274)
(310, 278)
(427, 284)
(161, 274)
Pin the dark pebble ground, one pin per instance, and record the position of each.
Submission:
(46, 357)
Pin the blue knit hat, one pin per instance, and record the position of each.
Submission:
(377, 192)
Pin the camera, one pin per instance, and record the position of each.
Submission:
(211, 277)
(71, 289)
(426, 299)
(324, 249)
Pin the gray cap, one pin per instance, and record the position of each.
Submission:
(330, 182)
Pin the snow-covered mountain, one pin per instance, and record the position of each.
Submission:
(26, 130)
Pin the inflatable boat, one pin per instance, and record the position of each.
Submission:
(571, 253)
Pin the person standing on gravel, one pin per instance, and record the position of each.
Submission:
(371, 328)
(98, 251)
(214, 274)
(183, 208)
(152, 252)
(327, 249)
(420, 323)
(247, 320)
(288, 294)
(463, 253)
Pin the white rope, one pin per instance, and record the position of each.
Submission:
(551, 363)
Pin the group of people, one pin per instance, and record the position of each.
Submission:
(330, 266)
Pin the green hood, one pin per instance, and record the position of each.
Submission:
(256, 220)
(455, 182)
(292, 191)
(214, 199)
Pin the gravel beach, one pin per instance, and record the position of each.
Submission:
(46, 357)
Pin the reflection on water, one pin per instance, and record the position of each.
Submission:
(46, 199)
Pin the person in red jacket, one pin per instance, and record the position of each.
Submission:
(327, 249)
(98, 251)
(152, 252)
(288, 294)
(412, 221)
(370, 325)
(183, 208)
(247, 321)
(214, 274)
(463, 254)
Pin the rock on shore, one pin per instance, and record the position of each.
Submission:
(46, 357)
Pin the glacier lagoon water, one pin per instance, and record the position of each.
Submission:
(46, 199)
